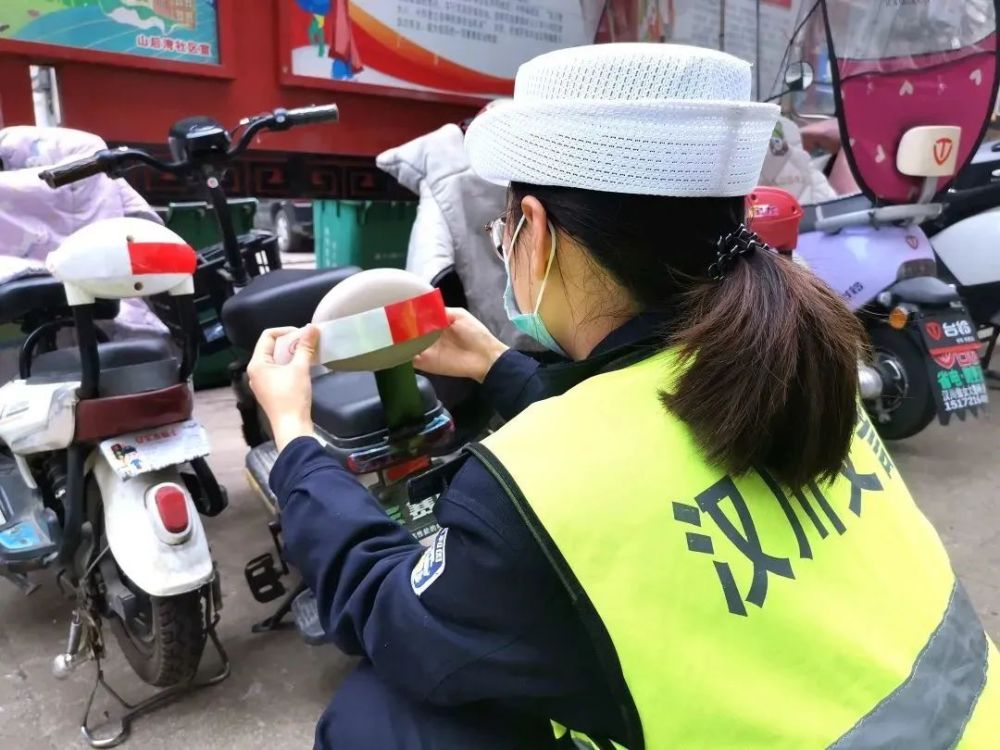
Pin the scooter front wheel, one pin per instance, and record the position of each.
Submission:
(906, 405)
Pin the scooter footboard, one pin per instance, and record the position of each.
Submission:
(154, 531)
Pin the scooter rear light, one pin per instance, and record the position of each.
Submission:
(405, 469)
(410, 449)
(171, 505)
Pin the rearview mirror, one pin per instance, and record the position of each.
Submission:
(799, 76)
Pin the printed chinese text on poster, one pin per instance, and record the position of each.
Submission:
(176, 30)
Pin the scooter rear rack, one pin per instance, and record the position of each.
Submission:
(113, 732)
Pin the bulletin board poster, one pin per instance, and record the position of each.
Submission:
(700, 23)
(175, 30)
(475, 47)
(471, 47)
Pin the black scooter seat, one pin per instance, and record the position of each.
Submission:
(284, 297)
(132, 366)
(43, 296)
(347, 407)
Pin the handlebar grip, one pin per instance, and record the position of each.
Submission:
(313, 115)
(65, 174)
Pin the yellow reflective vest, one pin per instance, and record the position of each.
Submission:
(731, 612)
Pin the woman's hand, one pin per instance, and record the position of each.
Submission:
(284, 392)
(466, 349)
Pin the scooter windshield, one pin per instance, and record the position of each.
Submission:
(901, 64)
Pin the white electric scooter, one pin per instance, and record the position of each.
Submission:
(965, 239)
(102, 471)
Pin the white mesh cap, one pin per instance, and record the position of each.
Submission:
(647, 119)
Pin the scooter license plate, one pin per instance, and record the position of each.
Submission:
(156, 448)
(956, 371)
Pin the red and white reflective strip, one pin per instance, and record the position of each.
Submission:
(382, 327)
(148, 258)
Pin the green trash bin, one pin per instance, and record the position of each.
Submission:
(195, 223)
(369, 234)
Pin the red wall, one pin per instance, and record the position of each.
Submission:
(16, 107)
(139, 105)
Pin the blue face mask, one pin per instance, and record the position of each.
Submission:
(530, 324)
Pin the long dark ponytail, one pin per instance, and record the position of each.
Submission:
(770, 353)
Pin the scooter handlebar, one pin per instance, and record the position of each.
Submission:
(281, 120)
(66, 174)
(313, 115)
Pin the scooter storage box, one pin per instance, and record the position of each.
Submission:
(349, 411)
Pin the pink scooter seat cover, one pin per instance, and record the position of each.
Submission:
(372, 321)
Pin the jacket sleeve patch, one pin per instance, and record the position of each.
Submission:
(431, 564)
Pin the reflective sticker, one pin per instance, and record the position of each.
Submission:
(932, 706)
(161, 257)
(416, 317)
(431, 564)
(20, 536)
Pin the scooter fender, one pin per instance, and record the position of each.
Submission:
(158, 568)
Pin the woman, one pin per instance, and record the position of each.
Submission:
(698, 543)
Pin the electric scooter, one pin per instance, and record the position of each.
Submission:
(882, 264)
(965, 237)
(963, 232)
(913, 88)
(102, 468)
(388, 425)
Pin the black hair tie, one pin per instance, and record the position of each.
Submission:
(730, 248)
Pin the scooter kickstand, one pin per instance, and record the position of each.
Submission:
(275, 620)
(101, 736)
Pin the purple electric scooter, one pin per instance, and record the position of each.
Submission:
(914, 91)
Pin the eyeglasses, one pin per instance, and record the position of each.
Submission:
(496, 229)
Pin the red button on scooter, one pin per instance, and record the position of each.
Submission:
(172, 507)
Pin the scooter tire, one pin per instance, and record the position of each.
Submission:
(171, 654)
(916, 408)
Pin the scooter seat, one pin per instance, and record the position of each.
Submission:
(127, 367)
(284, 297)
(346, 405)
(43, 297)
